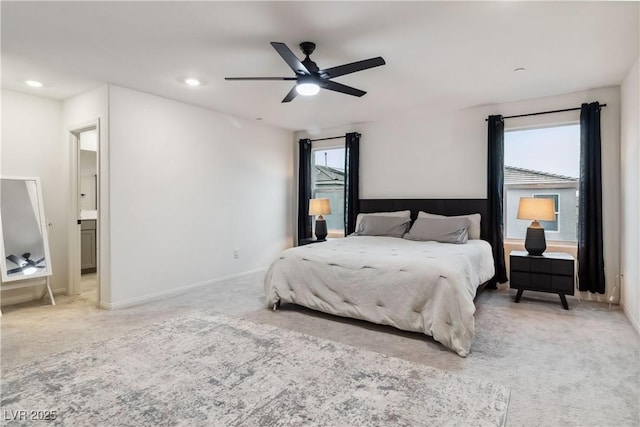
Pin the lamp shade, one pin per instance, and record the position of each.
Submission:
(319, 207)
(537, 209)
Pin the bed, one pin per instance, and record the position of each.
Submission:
(421, 286)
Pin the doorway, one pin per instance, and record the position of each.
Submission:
(85, 191)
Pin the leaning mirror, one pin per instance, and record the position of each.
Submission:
(23, 229)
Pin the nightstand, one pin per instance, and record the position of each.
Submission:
(551, 272)
(309, 241)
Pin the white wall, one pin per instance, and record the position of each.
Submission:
(88, 171)
(77, 111)
(31, 146)
(630, 177)
(188, 186)
(438, 155)
(444, 155)
(89, 140)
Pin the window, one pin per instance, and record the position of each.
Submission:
(542, 162)
(327, 175)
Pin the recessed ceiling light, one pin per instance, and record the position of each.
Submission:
(519, 69)
(33, 83)
(192, 82)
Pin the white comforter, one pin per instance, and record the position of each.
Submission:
(415, 286)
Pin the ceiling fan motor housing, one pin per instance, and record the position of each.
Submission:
(307, 49)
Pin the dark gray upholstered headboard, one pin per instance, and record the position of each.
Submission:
(435, 206)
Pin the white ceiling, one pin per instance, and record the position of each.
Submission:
(440, 55)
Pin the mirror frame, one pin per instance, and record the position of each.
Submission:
(43, 231)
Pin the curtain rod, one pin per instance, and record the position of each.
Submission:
(325, 139)
(545, 112)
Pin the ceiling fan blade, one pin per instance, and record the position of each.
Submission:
(341, 70)
(338, 87)
(18, 261)
(290, 58)
(260, 78)
(292, 94)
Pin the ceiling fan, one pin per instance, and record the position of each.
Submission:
(309, 78)
(25, 264)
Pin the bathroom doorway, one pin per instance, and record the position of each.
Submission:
(85, 268)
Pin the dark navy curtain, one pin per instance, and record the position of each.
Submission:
(304, 190)
(352, 171)
(590, 253)
(495, 182)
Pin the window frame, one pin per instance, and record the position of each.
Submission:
(332, 233)
(506, 187)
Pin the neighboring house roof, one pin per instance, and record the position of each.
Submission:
(326, 175)
(513, 175)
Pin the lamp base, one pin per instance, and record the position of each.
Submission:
(535, 243)
(321, 228)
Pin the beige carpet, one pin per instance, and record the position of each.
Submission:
(576, 368)
(208, 369)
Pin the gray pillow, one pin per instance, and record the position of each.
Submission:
(445, 230)
(402, 214)
(390, 226)
(474, 226)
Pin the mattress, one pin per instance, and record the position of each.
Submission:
(425, 287)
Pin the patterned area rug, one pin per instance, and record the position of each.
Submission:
(211, 369)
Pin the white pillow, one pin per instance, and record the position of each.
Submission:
(474, 220)
(400, 214)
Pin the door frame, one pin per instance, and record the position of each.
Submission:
(75, 287)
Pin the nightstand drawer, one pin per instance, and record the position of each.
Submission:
(519, 280)
(540, 281)
(520, 263)
(562, 284)
(562, 267)
(541, 265)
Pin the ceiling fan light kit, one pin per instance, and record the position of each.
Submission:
(307, 89)
(309, 78)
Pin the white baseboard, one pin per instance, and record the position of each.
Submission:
(172, 292)
(633, 321)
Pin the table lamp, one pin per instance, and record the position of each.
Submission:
(536, 209)
(320, 207)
